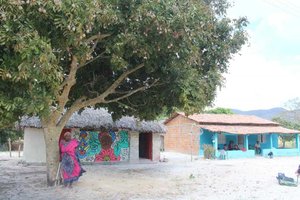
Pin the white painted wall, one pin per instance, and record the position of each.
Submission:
(35, 148)
(134, 146)
(156, 144)
(34, 145)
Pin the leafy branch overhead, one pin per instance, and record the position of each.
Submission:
(133, 57)
(139, 58)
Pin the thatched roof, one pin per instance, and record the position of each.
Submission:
(235, 124)
(97, 118)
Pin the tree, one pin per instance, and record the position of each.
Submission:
(287, 124)
(130, 57)
(292, 104)
(289, 119)
(9, 133)
(227, 111)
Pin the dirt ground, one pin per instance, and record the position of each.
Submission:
(179, 178)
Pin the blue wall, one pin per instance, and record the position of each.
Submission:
(267, 144)
(281, 152)
(275, 140)
(238, 154)
(228, 137)
(205, 138)
(231, 137)
(252, 140)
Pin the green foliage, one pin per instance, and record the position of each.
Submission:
(184, 47)
(227, 111)
(209, 151)
(289, 125)
(289, 119)
(9, 133)
(293, 104)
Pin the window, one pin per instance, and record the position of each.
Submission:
(261, 138)
(221, 139)
(241, 139)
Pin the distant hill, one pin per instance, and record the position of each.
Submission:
(291, 116)
(266, 114)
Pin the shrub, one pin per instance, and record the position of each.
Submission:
(8, 133)
(209, 151)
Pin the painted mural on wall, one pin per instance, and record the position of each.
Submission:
(103, 146)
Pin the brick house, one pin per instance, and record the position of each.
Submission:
(188, 134)
(182, 135)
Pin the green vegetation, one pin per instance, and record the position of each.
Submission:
(209, 151)
(289, 119)
(227, 111)
(284, 137)
(8, 133)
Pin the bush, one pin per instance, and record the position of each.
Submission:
(209, 151)
(8, 133)
(3, 147)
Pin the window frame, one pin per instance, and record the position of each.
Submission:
(262, 138)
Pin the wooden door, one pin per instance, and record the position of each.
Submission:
(145, 145)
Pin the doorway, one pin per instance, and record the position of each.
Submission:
(145, 145)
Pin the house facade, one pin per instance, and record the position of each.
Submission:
(190, 133)
(100, 139)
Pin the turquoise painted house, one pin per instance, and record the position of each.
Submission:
(242, 131)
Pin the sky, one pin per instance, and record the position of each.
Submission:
(266, 74)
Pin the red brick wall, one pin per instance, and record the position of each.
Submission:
(178, 137)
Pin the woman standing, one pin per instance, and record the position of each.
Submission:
(71, 168)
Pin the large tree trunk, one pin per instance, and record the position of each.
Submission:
(52, 134)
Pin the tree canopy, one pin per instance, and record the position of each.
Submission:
(227, 111)
(290, 118)
(132, 57)
(292, 104)
(103, 53)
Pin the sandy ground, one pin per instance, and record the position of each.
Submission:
(179, 178)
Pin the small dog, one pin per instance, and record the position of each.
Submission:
(270, 155)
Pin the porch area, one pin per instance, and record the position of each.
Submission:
(231, 146)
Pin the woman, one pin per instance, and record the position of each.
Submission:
(236, 147)
(71, 168)
(230, 145)
(257, 148)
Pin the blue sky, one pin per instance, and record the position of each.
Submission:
(267, 73)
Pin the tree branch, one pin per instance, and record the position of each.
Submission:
(67, 84)
(82, 102)
(131, 92)
(134, 105)
(92, 60)
(121, 78)
(127, 106)
(112, 88)
(94, 40)
(98, 37)
(67, 115)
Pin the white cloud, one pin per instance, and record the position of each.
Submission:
(254, 82)
(262, 77)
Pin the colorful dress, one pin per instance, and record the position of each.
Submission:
(71, 168)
